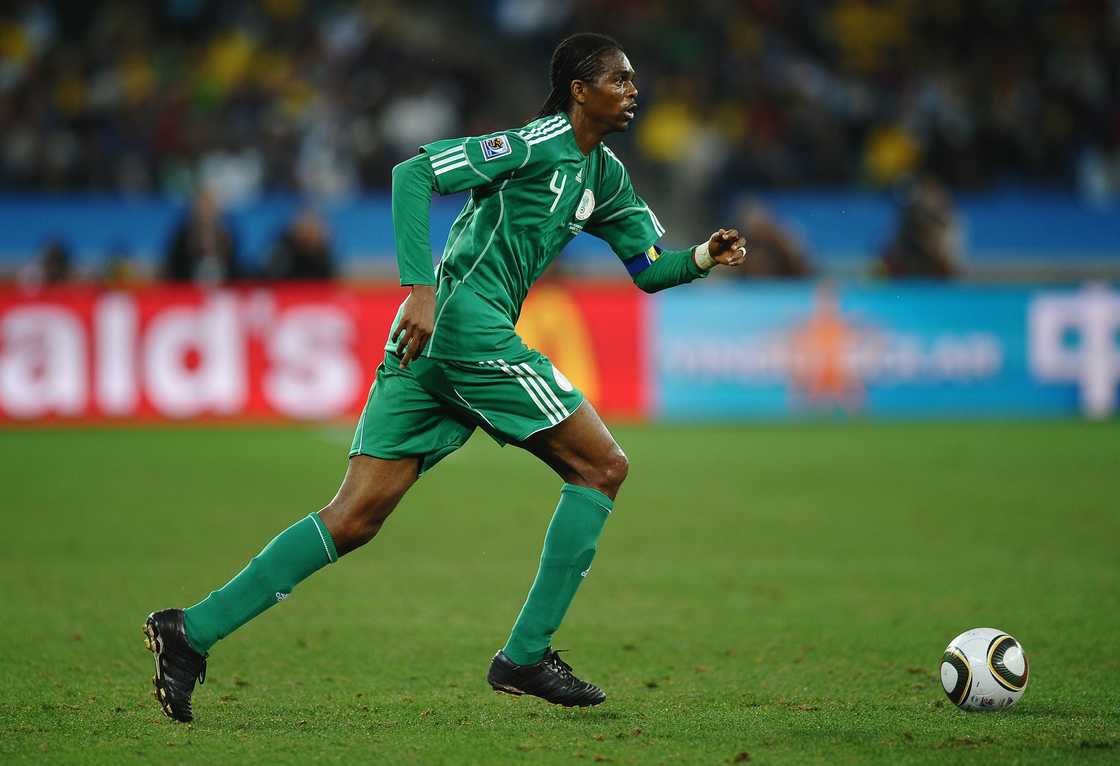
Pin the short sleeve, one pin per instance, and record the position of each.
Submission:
(624, 220)
(465, 163)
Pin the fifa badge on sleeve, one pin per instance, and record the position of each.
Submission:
(496, 146)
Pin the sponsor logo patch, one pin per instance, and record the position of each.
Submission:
(498, 146)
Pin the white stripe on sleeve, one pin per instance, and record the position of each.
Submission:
(542, 127)
(445, 152)
(448, 159)
(546, 136)
(463, 162)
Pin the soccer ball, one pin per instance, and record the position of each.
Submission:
(984, 669)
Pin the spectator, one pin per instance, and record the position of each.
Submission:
(120, 269)
(303, 251)
(927, 244)
(772, 251)
(51, 267)
(56, 263)
(202, 249)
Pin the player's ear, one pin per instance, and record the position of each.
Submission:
(579, 91)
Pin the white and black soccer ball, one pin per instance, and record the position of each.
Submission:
(984, 669)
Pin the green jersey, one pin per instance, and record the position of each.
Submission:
(531, 191)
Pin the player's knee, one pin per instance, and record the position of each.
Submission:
(612, 471)
(619, 468)
(357, 520)
(353, 528)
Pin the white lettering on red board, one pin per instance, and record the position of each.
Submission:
(184, 360)
(42, 362)
(314, 372)
(194, 360)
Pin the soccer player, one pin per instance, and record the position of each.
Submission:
(454, 363)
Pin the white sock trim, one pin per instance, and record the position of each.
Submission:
(319, 528)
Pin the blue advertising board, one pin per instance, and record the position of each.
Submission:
(767, 350)
(838, 228)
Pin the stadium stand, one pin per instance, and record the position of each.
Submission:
(112, 115)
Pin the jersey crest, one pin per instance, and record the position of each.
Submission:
(586, 205)
(497, 146)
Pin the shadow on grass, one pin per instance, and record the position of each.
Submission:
(1063, 713)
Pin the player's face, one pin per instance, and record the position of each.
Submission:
(612, 98)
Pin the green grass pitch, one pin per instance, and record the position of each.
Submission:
(771, 593)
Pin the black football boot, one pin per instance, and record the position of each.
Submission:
(178, 665)
(550, 679)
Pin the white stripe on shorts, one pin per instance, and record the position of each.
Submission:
(547, 389)
(525, 372)
(545, 408)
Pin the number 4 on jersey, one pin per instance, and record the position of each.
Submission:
(558, 189)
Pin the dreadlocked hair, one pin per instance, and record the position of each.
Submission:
(578, 57)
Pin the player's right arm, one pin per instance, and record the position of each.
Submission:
(459, 164)
(413, 183)
(446, 167)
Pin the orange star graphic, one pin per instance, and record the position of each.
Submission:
(822, 350)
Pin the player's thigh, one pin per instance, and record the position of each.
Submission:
(582, 450)
(370, 482)
(370, 491)
(525, 400)
(402, 420)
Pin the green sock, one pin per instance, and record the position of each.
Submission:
(569, 547)
(291, 557)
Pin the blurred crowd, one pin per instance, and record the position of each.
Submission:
(152, 96)
(240, 99)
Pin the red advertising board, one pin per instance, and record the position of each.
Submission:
(269, 352)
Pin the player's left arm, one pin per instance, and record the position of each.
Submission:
(625, 221)
(657, 269)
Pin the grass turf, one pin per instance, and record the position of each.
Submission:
(777, 593)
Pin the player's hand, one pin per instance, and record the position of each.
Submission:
(727, 247)
(417, 321)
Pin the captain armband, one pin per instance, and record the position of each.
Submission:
(640, 263)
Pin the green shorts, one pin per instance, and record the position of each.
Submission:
(431, 408)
